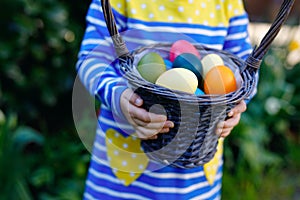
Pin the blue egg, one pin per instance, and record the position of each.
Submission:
(191, 62)
(199, 92)
(168, 64)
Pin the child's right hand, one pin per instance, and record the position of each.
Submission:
(146, 124)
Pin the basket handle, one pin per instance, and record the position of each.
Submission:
(260, 51)
(125, 58)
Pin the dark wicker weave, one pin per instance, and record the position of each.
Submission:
(192, 142)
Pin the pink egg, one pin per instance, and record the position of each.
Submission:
(182, 46)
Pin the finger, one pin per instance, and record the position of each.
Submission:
(145, 133)
(164, 130)
(225, 132)
(133, 98)
(143, 115)
(169, 124)
(154, 137)
(239, 108)
(231, 122)
(149, 125)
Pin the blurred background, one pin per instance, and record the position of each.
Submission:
(41, 154)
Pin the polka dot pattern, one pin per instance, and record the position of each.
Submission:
(208, 12)
(126, 157)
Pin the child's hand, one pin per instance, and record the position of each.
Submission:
(224, 128)
(146, 124)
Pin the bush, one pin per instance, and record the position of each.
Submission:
(38, 56)
(263, 146)
(41, 155)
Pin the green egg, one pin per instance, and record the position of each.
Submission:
(191, 62)
(151, 66)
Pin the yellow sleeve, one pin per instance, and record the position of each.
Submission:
(234, 8)
(119, 6)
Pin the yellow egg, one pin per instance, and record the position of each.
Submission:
(209, 61)
(179, 79)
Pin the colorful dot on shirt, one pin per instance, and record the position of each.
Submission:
(141, 166)
(161, 7)
(124, 163)
(180, 9)
(133, 11)
(116, 152)
(132, 174)
(151, 15)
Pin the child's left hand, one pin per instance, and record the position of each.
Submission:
(224, 128)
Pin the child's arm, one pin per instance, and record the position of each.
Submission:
(96, 64)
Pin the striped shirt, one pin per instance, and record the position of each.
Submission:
(119, 169)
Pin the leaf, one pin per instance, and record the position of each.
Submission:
(22, 190)
(25, 136)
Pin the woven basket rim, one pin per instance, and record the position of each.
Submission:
(136, 80)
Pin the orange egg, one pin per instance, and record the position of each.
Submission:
(219, 80)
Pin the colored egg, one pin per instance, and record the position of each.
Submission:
(178, 79)
(168, 64)
(151, 66)
(182, 46)
(209, 61)
(191, 62)
(199, 92)
(219, 80)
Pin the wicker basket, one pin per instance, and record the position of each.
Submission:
(192, 142)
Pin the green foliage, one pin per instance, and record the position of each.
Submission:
(31, 168)
(13, 145)
(262, 146)
(41, 156)
(38, 55)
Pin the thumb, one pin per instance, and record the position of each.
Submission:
(133, 98)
